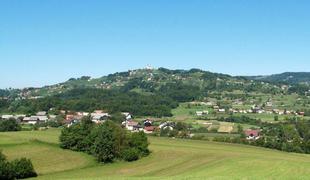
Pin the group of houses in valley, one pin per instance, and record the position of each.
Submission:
(39, 117)
(146, 126)
(255, 109)
(98, 117)
(266, 108)
(69, 118)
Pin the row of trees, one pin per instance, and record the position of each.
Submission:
(17, 169)
(106, 142)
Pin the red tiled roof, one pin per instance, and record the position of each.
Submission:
(251, 132)
(149, 128)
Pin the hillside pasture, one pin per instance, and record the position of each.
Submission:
(170, 159)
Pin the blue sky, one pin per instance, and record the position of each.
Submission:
(46, 42)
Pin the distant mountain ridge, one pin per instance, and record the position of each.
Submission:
(286, 77)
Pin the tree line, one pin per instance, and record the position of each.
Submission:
(107, 142)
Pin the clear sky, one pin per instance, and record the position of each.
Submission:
(48, 41)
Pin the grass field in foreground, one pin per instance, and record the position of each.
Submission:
(170, 159)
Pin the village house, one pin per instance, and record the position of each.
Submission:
(201, 113)
(40, 117)
(275, 111)
(99, 116)
(16, 117)
(269, 104)
(252, 134)
(242, 111)
(62, 112)
(167, 125)
(82, 113)
(233, 110)
(132, 126)
(149, 129)
(71, 119)
(301, 113)
(7, 117)
(221, 110)
(31, 120)
(35, 119)
(257, 109)
(72, 122)
(147, 122)
(127, 115)
(210, 103)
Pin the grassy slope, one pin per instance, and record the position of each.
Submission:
(177, 159)
(43, 150)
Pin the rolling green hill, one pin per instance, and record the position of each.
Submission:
(153, 80)
(148, 81)
(170, 159)
(136, 89)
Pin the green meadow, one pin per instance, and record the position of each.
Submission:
(170, 159)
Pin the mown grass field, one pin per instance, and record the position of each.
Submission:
(170, 159)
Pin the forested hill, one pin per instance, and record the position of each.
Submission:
(147, 91)
(287, 77)
(160, 80)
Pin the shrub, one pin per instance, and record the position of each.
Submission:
(17, 169)
(23, 168)
(131, 154)
(5, 168)
(139, 141)
(9, 125)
